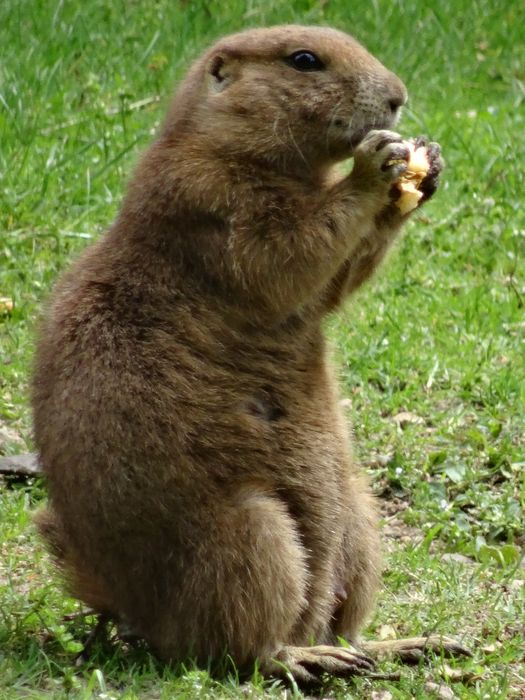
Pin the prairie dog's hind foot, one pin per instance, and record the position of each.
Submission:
(413, 649)
(306, 666)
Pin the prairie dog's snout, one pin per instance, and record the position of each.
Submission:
(377, 103)
(397, 94)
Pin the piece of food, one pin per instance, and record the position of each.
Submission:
(410, 180)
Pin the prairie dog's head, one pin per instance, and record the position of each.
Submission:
(291, 96)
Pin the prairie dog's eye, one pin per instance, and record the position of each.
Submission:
(304, 61)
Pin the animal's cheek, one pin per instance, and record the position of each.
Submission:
(326, 112)
(306, 113)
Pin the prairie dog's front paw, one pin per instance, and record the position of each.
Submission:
(380, 159)
(435, 165)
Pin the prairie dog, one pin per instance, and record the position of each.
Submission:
(201, 481)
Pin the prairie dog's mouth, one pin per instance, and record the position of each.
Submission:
(352, 135)
(356, 136)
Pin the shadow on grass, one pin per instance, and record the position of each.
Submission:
(50, 658)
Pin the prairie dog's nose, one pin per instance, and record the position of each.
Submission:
(397, 93)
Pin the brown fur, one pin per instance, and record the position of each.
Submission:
(202, 487)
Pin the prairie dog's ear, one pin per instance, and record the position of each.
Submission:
(222, 71)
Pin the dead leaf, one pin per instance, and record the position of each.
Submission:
(386, 632)
(405, 418)
(460, 675)
(6, 305)
(457, 558)
(381, 695)
(9, 436)
(440, 690)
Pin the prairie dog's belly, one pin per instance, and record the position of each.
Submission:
(189, 410)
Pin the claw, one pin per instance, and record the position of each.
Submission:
(384, 142)
(308, 665)
(429, 184)
(420, 141)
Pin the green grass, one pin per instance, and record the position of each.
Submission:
(438, 334)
